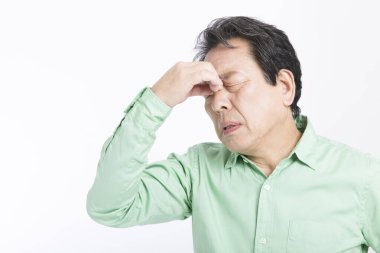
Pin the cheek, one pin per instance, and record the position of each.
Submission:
(248, 102)
(210, 113)
(257, 108)
(207, 108)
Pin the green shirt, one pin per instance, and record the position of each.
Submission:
(323, 198)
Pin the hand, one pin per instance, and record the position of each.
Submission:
(186, 79)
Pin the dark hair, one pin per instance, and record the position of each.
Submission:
(270, 47)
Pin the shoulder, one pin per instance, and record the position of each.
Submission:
(210, 155)
(209, 150)
(343, 148)
(339, 153)
(204, 152)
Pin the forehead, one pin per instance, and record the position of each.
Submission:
(228, 61)
(240, 46)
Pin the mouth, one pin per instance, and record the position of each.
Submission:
(229, 127)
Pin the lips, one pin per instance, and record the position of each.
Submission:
(229, 127)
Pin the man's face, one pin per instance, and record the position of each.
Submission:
(248, 110)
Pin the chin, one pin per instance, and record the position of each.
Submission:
(241, 146)
(233, 146)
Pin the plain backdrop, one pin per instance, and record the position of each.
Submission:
(69, 68)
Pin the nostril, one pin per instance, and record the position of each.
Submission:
(219, 109)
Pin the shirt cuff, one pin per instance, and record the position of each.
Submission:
(147, 110)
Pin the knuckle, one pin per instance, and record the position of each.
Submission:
(208, 65)
(203, 74)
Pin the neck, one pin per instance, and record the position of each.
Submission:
(277, 147)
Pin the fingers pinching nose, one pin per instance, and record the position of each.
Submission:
(216, 87)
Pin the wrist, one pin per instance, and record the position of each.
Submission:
(162, 96)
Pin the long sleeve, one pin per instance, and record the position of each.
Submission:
(371, 208)
(127, 190)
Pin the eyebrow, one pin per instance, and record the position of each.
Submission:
(228, 74)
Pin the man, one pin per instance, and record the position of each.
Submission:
(272, 185)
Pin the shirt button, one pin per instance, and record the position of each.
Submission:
(267, 187)
(263, 241)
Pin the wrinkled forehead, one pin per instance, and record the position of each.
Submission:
(238, 46)
(232, 61)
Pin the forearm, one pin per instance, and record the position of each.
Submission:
(123, 158)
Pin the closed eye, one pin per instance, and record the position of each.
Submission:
(234, 86)
(230, 87)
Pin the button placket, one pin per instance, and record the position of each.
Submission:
(264, 217)
(263, 240)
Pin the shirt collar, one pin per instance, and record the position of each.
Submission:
(304, 149)
(231, 160)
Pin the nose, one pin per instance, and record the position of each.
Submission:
(220, 101)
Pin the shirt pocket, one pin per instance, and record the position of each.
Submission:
(306, 236)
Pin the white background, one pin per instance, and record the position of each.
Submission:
(68, 69)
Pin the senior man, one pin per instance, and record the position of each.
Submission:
(271, 185)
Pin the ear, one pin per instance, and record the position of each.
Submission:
(286, 86)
